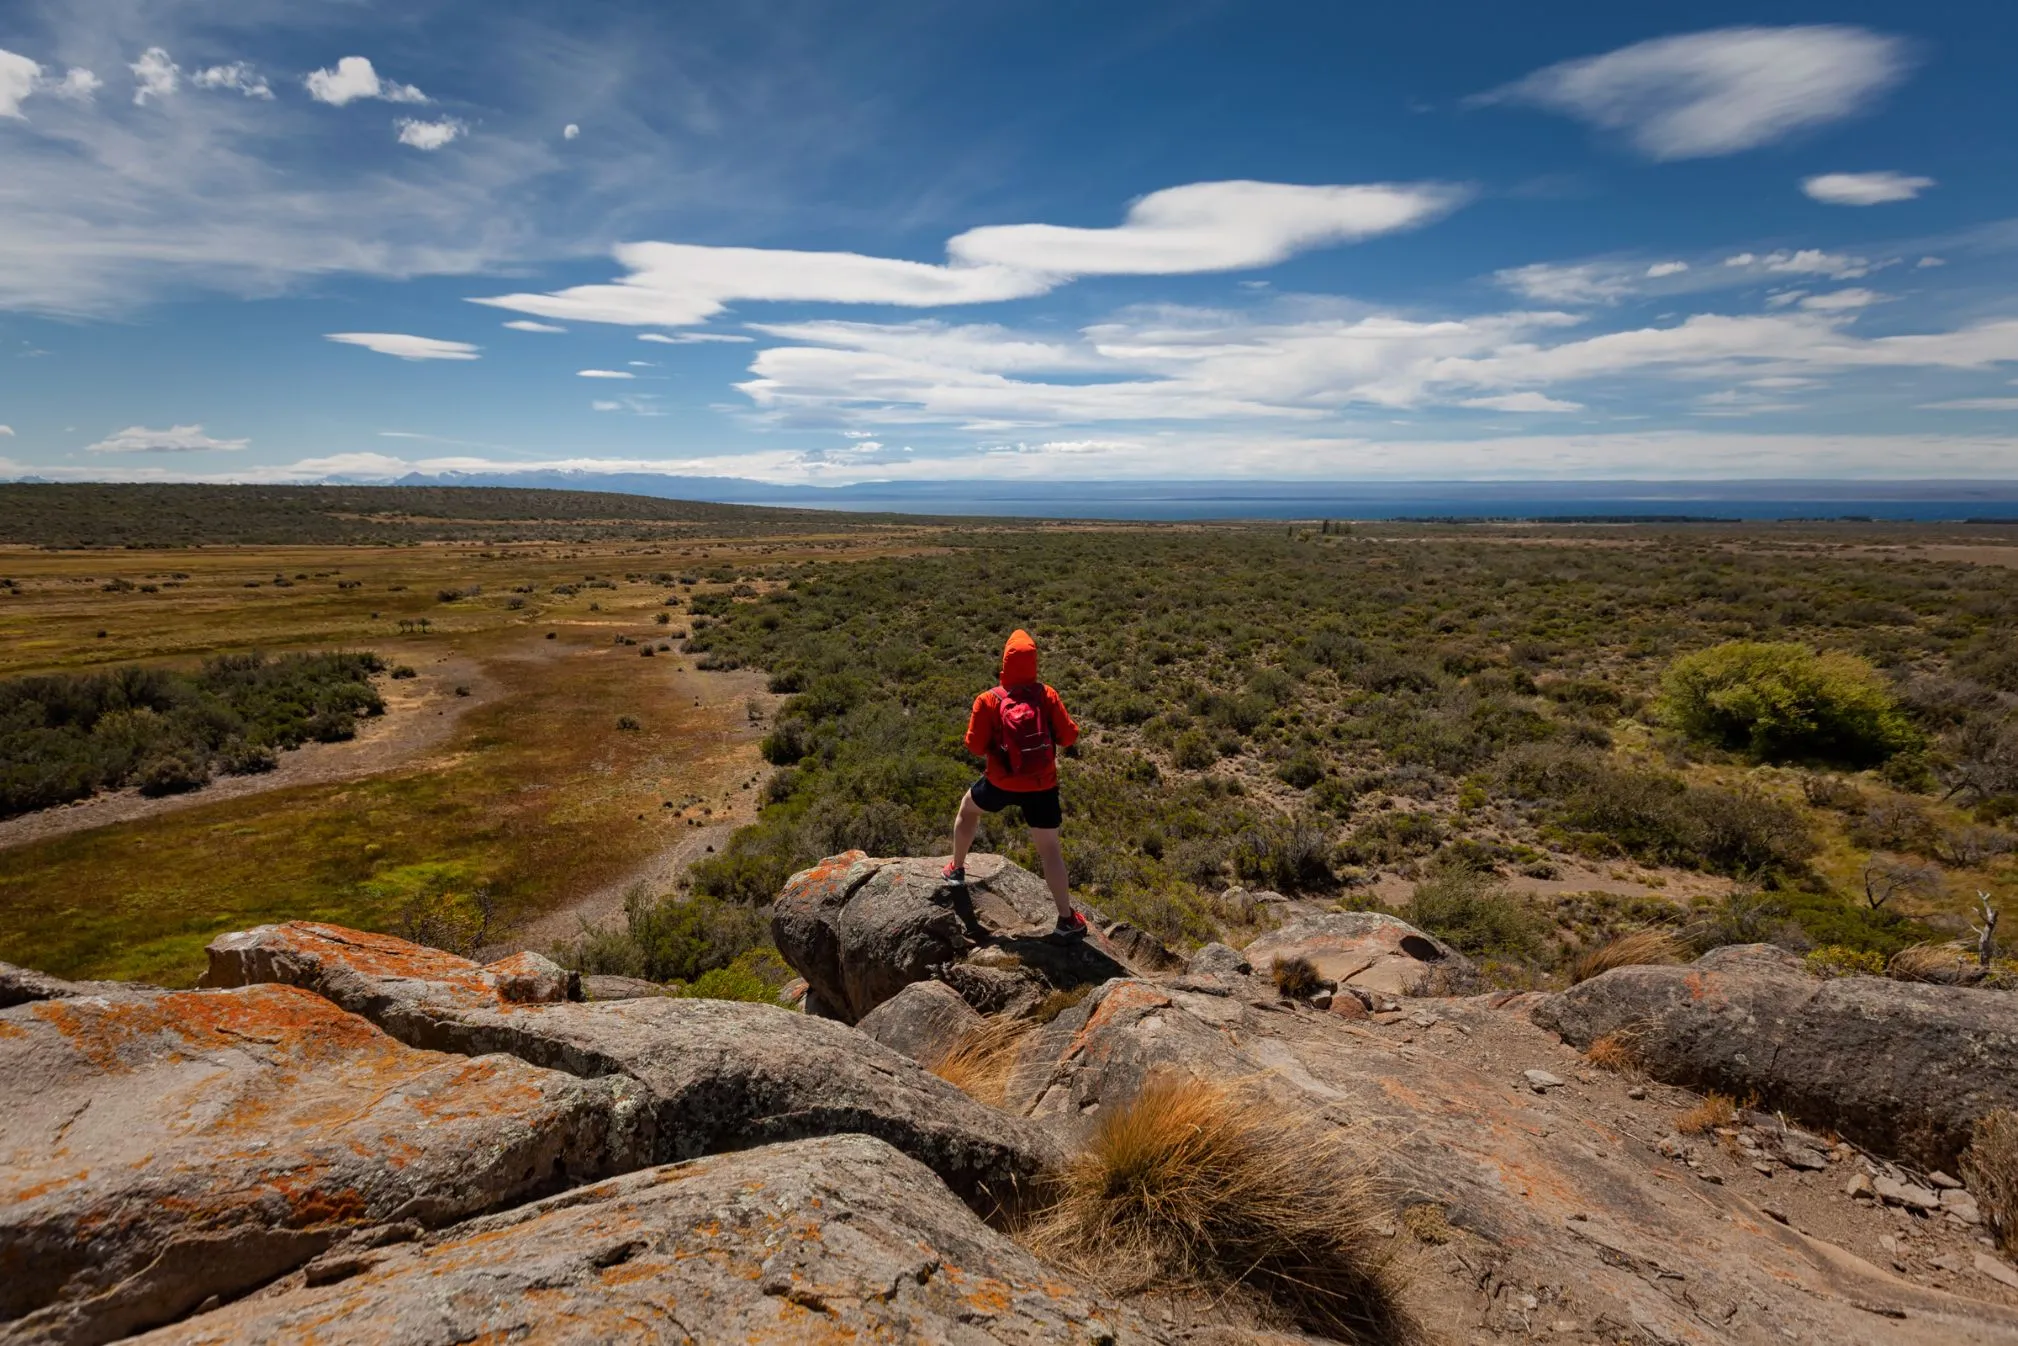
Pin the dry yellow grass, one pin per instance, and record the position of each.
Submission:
(1714, 1111)
(1630, 950)
(1193, 1189)
(1613, 1052)
(981, 1062)
(1295, 977)
(1944, 963)
(1990, 1167)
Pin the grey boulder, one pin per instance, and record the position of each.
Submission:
(1903, 1069)
(1367, 950)
(162, 1147)
(716, 1074)
(838, 1239)
(924, 1021)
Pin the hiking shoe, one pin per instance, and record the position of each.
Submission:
(1070, 927)
(953, 873)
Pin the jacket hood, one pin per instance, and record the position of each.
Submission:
(1019, 659)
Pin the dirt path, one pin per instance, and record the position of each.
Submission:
(420, 713)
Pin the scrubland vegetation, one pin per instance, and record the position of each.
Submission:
(65, 736)
(1304, 710)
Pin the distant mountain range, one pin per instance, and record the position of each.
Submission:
(1778, 499)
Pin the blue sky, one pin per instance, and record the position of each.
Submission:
(822, 243)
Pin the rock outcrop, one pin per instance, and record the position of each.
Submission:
(158, 1148)
(924, 1021)
(838, 1239)
(1546, 1209)
(715, 1074)
(1367, 951)
(1904, 1069)
(861, 929)
(19, 985)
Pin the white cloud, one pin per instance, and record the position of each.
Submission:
(175, 439)
(1785, 297)
(238, 75)
(604, 374)
(1208, 226)
(606, 406)
(1583, 283)
(429, 135)
(1660, 269)
(156, 75)
(77, 84)
(570, 131)
(1931, 261)
(1863, 189)
(528, 325)
(407, 347)
(1973, 404)
(1201, 366)
(6, 432)
(641, 364)
(1807, 262)
(1837, 300)
(353, 78)
(691, 338)
(19, 77)
(1521, 402)
(1720, 91)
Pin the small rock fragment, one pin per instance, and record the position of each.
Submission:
(1541, 1081)
(1636, 1092)
(1859, 1187)
(1942, 1180)
(1961, 1205)
(1671, 1147)
(1763, 1169)
(1893, 1192)
(1776, 1213)
(1997, 1270)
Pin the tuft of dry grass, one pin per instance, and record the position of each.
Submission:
(1614, 1052)
(1639, 948)
(981, 1062)
(1193, 1189)
(1296, 977)
(1946, 964)
(1429, 1224)
(1714, 1111)
(1990, 1168)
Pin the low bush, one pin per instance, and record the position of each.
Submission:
(672, 939)
(1296, 977)
(1837, 960)
(1714, 1111)
(1190, 1189)
(1786, 703)
(1472, 912)
(980, 1063)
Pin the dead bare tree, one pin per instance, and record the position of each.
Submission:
(1986, 933)
(1887, 876)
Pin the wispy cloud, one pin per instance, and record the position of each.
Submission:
(691, 338)
(238, 75)
(1203, 227)
(175, 439)
(528, 325)
(1524, 402)
(1863, 189)
(407, 347)
(1721, 91)
(604, 374)
(155, 75)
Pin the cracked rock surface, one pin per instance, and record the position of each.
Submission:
(836, 1239)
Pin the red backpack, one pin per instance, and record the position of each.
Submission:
(1023, 728)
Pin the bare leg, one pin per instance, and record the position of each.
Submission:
(965, 824)
(1052, 852)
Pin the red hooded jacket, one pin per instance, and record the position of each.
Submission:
(1019, 667)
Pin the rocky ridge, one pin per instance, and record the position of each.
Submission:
(349, 1138)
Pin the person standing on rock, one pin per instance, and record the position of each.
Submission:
(1019, 728)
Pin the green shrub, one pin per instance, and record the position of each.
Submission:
(1838, 960)
(669, 938)
(757, 975)
(1472, 911)
(1786, 703)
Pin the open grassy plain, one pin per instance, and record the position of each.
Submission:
(1521, 737)
(499, 776)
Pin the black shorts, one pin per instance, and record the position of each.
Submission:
(1040, 807)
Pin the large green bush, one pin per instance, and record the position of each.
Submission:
(1783, 702)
